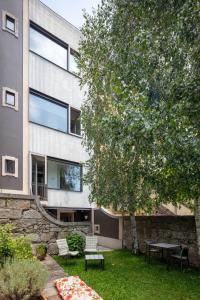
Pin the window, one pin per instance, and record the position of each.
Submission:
(48, 48)
(64, 175)
(9, 166)
(73, 66)
(46, 112)
(75, 123)
(9, 23)
(9, 98)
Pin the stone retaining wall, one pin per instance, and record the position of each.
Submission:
(29, 218)
(173, 229)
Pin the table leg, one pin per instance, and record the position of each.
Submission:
(85, 264)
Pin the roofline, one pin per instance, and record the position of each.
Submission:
(59, 16)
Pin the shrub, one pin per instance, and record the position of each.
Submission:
(6, 243)
(22, 248)
(41, 251)
(22, 279)
(76, 242)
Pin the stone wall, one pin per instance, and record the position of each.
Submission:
(172, 229)
(29, 218)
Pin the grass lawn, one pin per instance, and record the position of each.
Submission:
(127, 277)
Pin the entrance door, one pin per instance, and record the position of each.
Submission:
(39, 187)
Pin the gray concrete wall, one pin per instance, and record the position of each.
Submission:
(11, 76)
(171, 229)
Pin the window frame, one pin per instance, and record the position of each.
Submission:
(5, 15)
(53, 38)
(62, 161)
(4, 171)
(75, 134)
(54, 101)
(6, 90)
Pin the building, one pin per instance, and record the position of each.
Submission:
(40, 132)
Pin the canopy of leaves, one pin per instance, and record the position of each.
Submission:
(140, 62)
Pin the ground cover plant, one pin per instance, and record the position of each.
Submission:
(129, 277)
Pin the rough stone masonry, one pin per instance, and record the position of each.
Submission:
(30, 219)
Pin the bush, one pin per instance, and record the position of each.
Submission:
(22, 279)
(6, 243)
(76, 242)
(41, 251)
(22, 248)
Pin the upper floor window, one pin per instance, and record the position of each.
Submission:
(75, 123)
(64, 175)
(9, 23)
(46, 112)
(73, 66)
(9, 166)
(48, 48)
(10, 98)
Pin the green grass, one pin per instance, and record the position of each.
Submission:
(127, 277)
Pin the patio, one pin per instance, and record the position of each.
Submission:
(129, 277)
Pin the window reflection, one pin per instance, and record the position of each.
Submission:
(47, 48)
(73, 66)
(64, 176)
(44, 112)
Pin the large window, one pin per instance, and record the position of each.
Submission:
(45, 112)
(48, 48)
(64, 176)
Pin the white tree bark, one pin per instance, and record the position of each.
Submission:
(135, 248)
(197, 220)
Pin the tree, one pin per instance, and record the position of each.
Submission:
(140, 62)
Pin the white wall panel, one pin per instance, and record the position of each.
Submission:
(51, 80)
(53, 143)
(58, 198)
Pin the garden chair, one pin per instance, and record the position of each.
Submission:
(64, 249)
(150, 250)
(181, 255)
(91, 244)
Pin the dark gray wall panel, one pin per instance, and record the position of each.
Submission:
(11, 75)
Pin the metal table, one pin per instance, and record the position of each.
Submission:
(99, 257)
(167, 247)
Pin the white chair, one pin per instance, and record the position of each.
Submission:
(64, 249)
(91, 244)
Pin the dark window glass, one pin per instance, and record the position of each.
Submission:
(47, 48)
(64, 176)
(47, 113)
(10, 98)
(10, 166)
(73, 66)
(10, 23)
(75, 125)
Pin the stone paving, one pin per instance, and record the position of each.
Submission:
(50, 292)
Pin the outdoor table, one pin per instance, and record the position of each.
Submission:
(94, 257)
(167, 247)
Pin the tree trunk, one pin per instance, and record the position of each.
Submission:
(135, 245)
(197, 220)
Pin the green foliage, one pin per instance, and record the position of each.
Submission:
(140, 61)
(6, 243)
(22, 248)
(22, 280)
(10, 247)
(41, 251)
(76, 242)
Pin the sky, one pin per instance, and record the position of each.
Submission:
(71, 10)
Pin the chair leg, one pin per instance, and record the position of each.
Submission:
(149, 254)
(181, 265)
